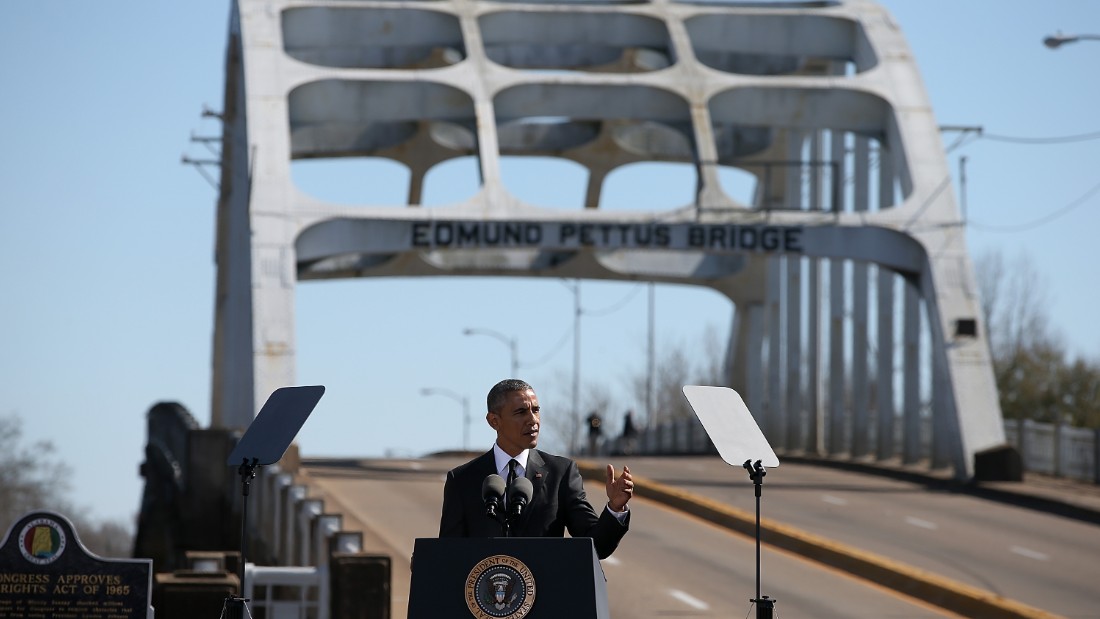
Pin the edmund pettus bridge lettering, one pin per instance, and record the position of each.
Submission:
(444, 234)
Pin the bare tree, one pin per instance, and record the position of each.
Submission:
(566, 426)
(713, 366)
(32, 478)
(676, 367)
(1034, 376)
(674, 370)
(110, 538)
(1014, 301)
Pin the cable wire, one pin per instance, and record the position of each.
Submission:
(1042, 220)
(611, 309)
(553, 351)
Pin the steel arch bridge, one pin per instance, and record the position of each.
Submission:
(849, 258)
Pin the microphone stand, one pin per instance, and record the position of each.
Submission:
(509, 516)
(518, 496)
(764, 605)
(501, 517)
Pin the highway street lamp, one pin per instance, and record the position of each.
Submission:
(576, 290)
(461, 399)
(510, 341)
(1057, 40)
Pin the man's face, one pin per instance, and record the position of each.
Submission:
(516, 422)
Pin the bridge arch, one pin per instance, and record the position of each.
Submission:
(851, 197)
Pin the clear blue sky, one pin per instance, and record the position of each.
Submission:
(106, 243)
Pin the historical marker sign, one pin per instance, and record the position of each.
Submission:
(46, 573)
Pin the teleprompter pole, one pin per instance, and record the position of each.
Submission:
(734, 432)
(765, 606)
(264, 442)
(236, 606)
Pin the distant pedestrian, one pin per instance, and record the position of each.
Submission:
(595, 431)
(630, 433)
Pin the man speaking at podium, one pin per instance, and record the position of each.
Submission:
(557, 502)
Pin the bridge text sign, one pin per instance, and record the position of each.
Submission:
(45, 573)
(444, 234)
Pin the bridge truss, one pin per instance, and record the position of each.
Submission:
(848, 260)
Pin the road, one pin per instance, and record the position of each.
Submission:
(1043, 560)
(670, 564)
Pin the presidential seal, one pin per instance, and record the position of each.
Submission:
(500, 587)
(42, 541)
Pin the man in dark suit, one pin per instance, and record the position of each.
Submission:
(558, 503)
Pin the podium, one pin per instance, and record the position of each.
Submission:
(507, 578)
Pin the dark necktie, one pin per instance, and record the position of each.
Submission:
(512, 471)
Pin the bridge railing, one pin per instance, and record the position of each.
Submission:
(1045, 448)
(1060, 451)
(309, 599)
(300, 540)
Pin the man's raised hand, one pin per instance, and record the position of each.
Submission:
(619, 489)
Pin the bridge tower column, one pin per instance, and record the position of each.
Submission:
(256, 278)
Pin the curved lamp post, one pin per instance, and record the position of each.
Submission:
(510, 341)
(461, 399)
(1055, 41)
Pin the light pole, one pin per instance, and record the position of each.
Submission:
(510, 341)
(576, 290)
(651, 357)
(1055, 41)
(465, 410)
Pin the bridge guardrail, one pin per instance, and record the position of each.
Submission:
(1060, 451)
(305, 545)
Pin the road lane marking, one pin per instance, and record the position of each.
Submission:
(922, 523)
(833, 500)
(691, 601)
(1030, 554)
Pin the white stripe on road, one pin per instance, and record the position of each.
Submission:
(693, 602)
(1030, 554)
(834, 500)
(922, 523)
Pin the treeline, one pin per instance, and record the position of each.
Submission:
(32, 477)
(1037, 376)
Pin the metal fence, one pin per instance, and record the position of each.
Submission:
(1045, 448)
(1062, 451)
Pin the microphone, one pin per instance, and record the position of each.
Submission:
(519, 495)
(492, 491)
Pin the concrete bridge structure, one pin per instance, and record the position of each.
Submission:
(855, 298)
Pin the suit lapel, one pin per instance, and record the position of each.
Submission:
(535, 472)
